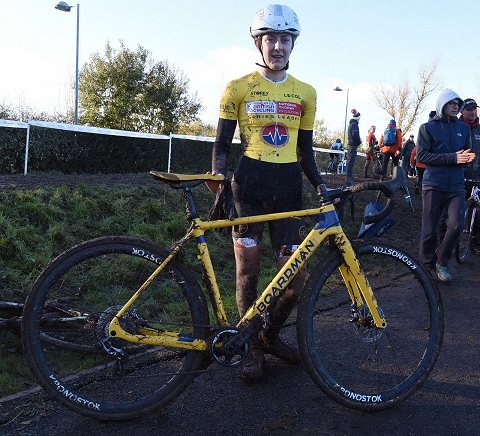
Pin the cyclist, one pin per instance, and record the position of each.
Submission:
(472, 170)
(275, 113)
(334, 157)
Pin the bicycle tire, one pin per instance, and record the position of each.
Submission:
(463, 247)
(100, 275)
(331, 168)
(367, 368)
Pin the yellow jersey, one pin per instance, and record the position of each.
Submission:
(269, 115)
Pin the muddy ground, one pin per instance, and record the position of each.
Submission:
(287, 402)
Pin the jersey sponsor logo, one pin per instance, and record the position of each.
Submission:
(262, 93)
(289, 108)
(260, 107)
(273, 107)
(291, 96)
(275, 135)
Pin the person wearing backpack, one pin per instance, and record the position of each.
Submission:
(390, 144)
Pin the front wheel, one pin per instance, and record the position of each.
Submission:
(101, 376)
(331, 167)
(354, 363)
(462, 249)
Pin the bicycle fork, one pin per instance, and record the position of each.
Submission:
(357, 284)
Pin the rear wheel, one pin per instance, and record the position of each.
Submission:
(100, 376)
(351, 360)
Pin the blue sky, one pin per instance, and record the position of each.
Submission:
(353, 44)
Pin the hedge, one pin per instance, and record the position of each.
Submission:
(72, 152)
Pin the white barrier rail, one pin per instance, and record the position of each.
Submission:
(14, 124)
(124, 133)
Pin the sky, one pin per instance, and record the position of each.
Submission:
(356, 45)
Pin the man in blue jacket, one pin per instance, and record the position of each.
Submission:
(443, 145)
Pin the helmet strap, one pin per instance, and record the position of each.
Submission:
(268, 68)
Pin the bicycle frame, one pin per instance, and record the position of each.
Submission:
(328, 225)
(475, 197)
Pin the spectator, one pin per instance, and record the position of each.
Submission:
(370, 143)
(419, 169)
(472, 170)
(353, 142)
(390, 145)
(405, 153)
(443, 145)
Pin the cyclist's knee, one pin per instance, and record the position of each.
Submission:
(247, 255)
(251, 243)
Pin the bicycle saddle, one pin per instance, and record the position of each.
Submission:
(174, 178)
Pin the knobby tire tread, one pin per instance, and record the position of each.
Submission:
(322, 365)
(193, 361)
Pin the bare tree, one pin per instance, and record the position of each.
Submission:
(405, 103)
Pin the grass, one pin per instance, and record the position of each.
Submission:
(37, 225)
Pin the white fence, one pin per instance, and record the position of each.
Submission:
(98, 131)
(124, 133)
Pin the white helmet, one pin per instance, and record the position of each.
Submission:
(275, 18)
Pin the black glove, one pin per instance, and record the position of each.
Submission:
(224, 205)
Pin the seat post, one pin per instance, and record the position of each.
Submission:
(190, 206)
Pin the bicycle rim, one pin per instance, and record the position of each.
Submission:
(92, 281)
(365, 367)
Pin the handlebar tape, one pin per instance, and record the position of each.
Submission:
(387, 188)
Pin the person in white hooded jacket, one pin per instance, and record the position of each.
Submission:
(443, 145)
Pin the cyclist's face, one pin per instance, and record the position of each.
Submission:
(276, 48)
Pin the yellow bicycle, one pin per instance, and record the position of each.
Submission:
(369, 322)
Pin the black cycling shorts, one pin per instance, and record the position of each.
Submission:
(262, 187)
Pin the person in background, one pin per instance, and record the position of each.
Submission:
(334, 157)
(419, 169)
(390, 144)
(370, 143)
(276, 114)
(405, 153)
(472, 169)
(443, 145)
(353, 142)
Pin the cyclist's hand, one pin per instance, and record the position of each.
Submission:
(211, 184)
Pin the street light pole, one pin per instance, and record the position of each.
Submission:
(346, 109)
(76, 65)
(65, 7)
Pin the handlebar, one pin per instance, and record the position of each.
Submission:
(388, 188)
